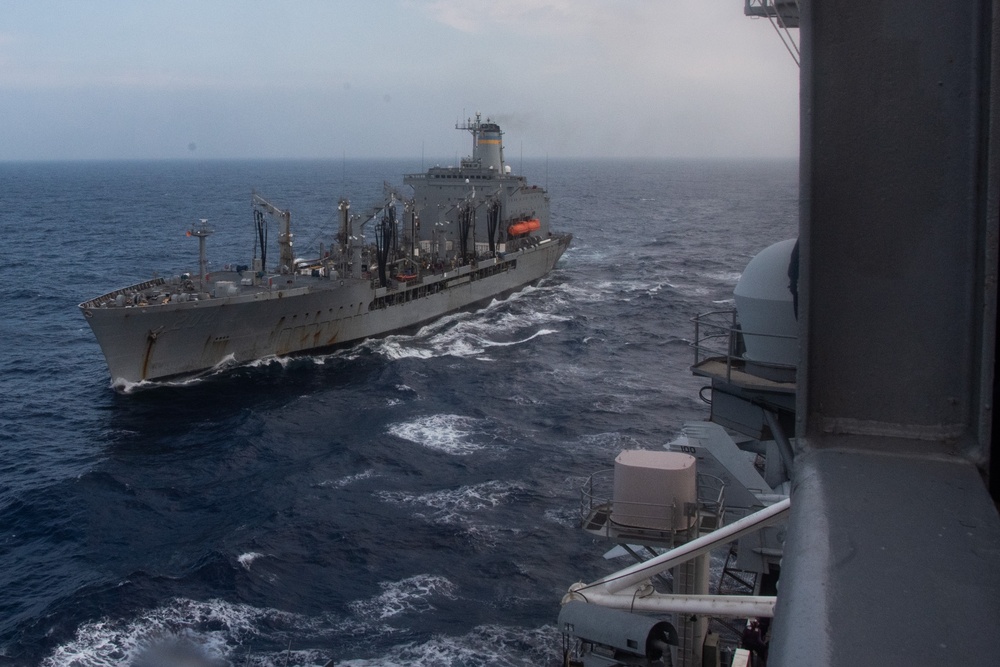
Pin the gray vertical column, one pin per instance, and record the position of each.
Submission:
(893, 541)
(893, 158)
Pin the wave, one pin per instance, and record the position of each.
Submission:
(484, 646)
(412, 594)
(216, 632)
(452, 434)
(464, 336)
(609, 442)
(246, 559)
(463, 508)
(348, 480)
(622, 289)
(224, 365)
(451, 505)
(206, 631)
(725, 277)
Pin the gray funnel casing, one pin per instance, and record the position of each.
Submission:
(488, 146)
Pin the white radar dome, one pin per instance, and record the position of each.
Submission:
(764, 307)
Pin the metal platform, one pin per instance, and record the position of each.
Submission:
(733, 371)
(597, 513)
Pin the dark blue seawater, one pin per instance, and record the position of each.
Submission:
(410, 500)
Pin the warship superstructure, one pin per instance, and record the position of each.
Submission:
(468, 234)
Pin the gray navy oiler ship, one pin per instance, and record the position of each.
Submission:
(468, 234)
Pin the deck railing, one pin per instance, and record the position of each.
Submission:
(597, 506)
(97, 302)
(718, 336)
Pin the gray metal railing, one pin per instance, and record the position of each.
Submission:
(110, 296)
(718, 336)
(597, 498)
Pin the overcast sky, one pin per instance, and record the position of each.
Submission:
(390, 78)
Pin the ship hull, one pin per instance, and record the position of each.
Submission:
(157, 342)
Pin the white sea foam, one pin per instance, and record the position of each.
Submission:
(452, 505)
(463, 507)
(350, 479)
(246, 559)
(727, 277)
(468, 335)
(517, 321)
(211, 630)
(222, 366)
(398, 597)
(540, 332)
(564, 516)
(462, 342)
(452, 434)
(264, 362)
(226, 362)
(125, 387)
(604, 290)
(523, 399)
(595, 291)
(618, 405)
(483, 646)
(395, 348)
(611, 442)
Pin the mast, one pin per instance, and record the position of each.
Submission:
(344, 206)
(344, 235)
(201, 233)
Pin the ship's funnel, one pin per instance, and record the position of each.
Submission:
(488, 148)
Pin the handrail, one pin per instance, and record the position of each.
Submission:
(110, 296)
(634, 574)
(732, 333)
(597, 494)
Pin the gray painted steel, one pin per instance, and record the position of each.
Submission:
(162, 329)
(894, 542)
(630, 635)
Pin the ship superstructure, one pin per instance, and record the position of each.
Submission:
(892, 538)
(703, 493)
(467, 234)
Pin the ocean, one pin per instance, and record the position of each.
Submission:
(408, 500)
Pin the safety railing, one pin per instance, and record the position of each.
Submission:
(109, 298)
(718, 337)
(597, 508)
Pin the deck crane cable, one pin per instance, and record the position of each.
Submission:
(493, 223)
(261, 239)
